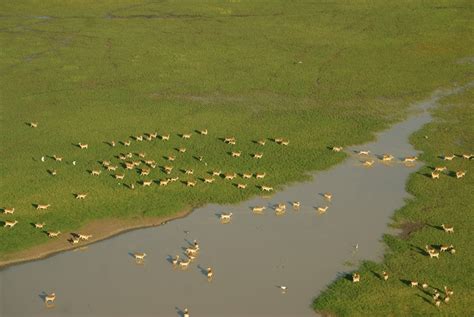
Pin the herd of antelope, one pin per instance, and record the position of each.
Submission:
(431, 250)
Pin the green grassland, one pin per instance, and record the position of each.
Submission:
(95, 71)
(447, 201)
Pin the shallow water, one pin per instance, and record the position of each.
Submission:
(251, 255)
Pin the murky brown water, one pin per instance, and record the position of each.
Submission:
(251, 256)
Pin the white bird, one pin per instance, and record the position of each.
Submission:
(42, 159)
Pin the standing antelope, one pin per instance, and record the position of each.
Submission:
(363, 152)
(337, 148)
(191, 183)
(139, 256)
(266, 188)
(434, 175)
(258, 155)
(164, 182)
(81, 196)
(467, 156)
(33, 124)
(186, 136)
(83, 146)
(285, 142)
(10, 224)
(57, 158)
(184, 264)
(96, 172)
(42, 207)
(54, 234)
(210, 273)
(144, 172)
(241, 186)
(171, 158)
(434, 254)
(296, 204)
(186, 313)
(182, 150)
(260, 175)
(189, 171)
(460, 174)
(413, 283)
(229, 140)
(165, 137)
(84, 237)
(216, 173)
(40, 225)
(410, 159)
(112, 168)
(127, 143)
(261, 142)
(247, 175)
(355, 277)
(146, 183)
(7, 211)
(141, 154)
(203, 132)
(368, 163)
(236, 154)
(387, 157)
(448, 229)
(119, 176)
(50, 298)
(449, 157)
(230, 176)
(385, 275)
(175, 260)
(440, 168)
(327, 196)
(209, 180)
(280, 211)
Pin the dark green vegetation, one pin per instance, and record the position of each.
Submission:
(95, 71)
(447, 200)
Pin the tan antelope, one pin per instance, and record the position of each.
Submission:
(447, 228)
(112, 143)
(261, 142)
(387, 157)
(280, 211)
(8, 211)
(449, 157)
(448, 292)
(165, 137)
(337, 148)
(278, 140)
(192, 257)
(173, 179)
(258, 209)
(247, 175)
(413, 283)
(225, 217)
(210, 273)
(236, 154)
(81, 195)
(410, 159)
(191, 251)
(440, 168)
(184, 264)
(209, 180)
(445, 247)
(40, 225)
(127, 143)
(96, 172)
(260, 175)
(106, 163)
(149, 162)
(327, 196)
(241, 186)
(54, 234)
(285, 142)
(50, 298)
(57, 158)
(171, 158)
(139, 256)
(112, 168)
(355, 277)
(175, 260)
(191, 183)
(203, 132)
(146, 183)
(368, 163)
(139, 138)
(182, 150)
(385, 275)
(168, 169)
(460, 174)
(33, 124)
(467, 156)
(136, 163)
(186, 313)
(446, 299)
(122, 157)
(75, 240)
(216, 173)
(154, 135)
(258, 155)
(189, 171)
(186, 136)
(437, 303)
(83, 146)
(266, 188)
(164, 182)
(42, 207)
(144, 172)
(129, 155)
(434, 175)
(119, 176)
(141, 154)
(434, 254)
(129, 165)
(229, 140)
(436, 294)
(322, 210)
(363, 152)
(230, 176)
(147, 137)
(84, 237)
(10, 224)
(53, 172)
(429, 249)
(296, 204)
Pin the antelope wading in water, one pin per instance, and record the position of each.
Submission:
(258, 209)
(186, 313)
(225, 217)
(9, 224)
(49, 299)
(363, 152)
(387, 158)
(410, 159)
(368, 163)
(322, 210)
(210, 273)
(327, 196)
(296, 204)
(139, 256)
